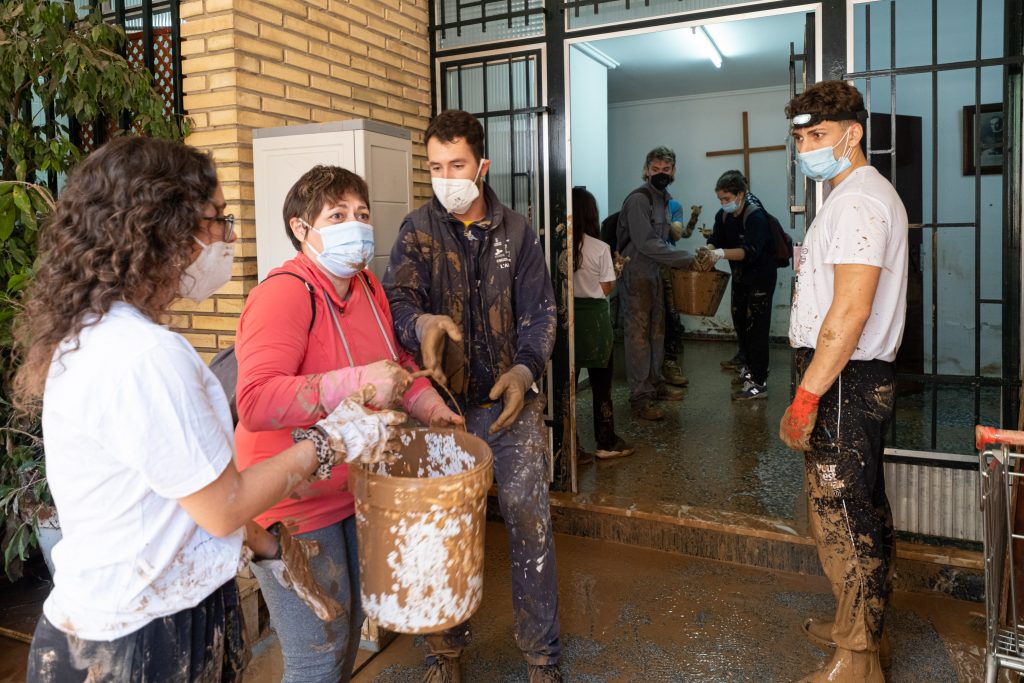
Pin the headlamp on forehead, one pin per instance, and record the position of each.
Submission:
(804, 120)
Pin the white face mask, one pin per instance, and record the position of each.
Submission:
(457, 194)
(209, 272)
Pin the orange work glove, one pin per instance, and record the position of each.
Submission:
(798, 421)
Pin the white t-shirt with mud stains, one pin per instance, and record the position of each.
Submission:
(862, 221)
(133, 420)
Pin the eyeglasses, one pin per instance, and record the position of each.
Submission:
(227, 224)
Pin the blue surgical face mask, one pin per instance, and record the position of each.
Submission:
(730, 207)
(348, 247)
(821, 164)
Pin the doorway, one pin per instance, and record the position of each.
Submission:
(714, 93)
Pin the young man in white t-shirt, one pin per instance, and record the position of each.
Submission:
(846, 325)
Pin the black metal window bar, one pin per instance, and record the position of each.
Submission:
(927, 398)
(501, 16)
(503, 92)
(153, 32)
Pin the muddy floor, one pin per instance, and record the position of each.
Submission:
(717, 453)
(631, 614)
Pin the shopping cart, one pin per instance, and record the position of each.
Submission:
(1000, 472)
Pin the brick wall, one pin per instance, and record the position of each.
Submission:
(250, 64)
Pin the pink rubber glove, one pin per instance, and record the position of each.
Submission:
(430, 409)
(389, 379)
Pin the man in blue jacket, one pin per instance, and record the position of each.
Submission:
(469, 289)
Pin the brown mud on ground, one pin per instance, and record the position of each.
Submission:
(631, 614)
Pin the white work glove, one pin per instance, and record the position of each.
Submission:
(431, 410)
(707, 257)
(431, 331)
(511, 388)
(389, 379)
(358, 433)
(291, 569)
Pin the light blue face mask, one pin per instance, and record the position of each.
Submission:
(348, 247)
(730, 207)
(821, 164)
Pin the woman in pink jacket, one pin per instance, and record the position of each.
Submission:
(315, 331)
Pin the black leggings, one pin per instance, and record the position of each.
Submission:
(604, 412)
(752, 318)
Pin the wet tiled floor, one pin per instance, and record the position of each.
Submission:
(631, 614)
(710, 451)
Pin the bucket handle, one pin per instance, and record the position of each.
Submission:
(426, 373)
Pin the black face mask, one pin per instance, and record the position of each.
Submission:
(661, 180)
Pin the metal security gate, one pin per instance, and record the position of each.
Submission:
(934, 75)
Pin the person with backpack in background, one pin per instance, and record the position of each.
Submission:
(298, 357)
(139, 450)
(642, 238)
(742, 235)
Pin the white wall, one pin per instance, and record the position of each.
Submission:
(588, 129)
(955, 192)
(693, 126)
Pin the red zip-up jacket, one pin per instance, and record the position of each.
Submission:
(280, 361)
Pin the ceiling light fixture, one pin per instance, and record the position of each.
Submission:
(711, 50)
(597, 55)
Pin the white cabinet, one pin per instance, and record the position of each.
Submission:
(381, 153)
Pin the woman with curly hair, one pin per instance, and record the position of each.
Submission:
(138, 433)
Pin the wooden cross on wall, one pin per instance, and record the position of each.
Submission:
(746, 150)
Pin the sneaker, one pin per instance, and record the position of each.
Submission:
(618, 449)
(667, 392)
(741, 377)
(545, 673)
(734, 363)
(750, 391)
(443, 669)
(673, 375)
(646, 410)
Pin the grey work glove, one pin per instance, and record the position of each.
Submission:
(511, 388)
(358, 433)
(292, 571)
(431, 331)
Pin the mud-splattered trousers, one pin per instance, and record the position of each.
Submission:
(204, 644)
(316, 651)
(521, 470)
(752, 317)
(642, 301)
(848, 509)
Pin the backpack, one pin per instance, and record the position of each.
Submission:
(782, 244)
(225, 365)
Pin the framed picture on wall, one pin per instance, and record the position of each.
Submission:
(989, 127)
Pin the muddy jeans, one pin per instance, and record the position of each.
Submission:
(204, 644)
(849, 511)
(521, 470)
(316, 650)
(752, 318)
(643, 312)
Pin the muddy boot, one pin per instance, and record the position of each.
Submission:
(443, 669)
(545, 673)
(820, 633)
(646, 410)
(670, 393)
(849, 666)
(673, 375)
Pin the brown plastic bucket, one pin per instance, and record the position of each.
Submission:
(421, 522)
(697, 293)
